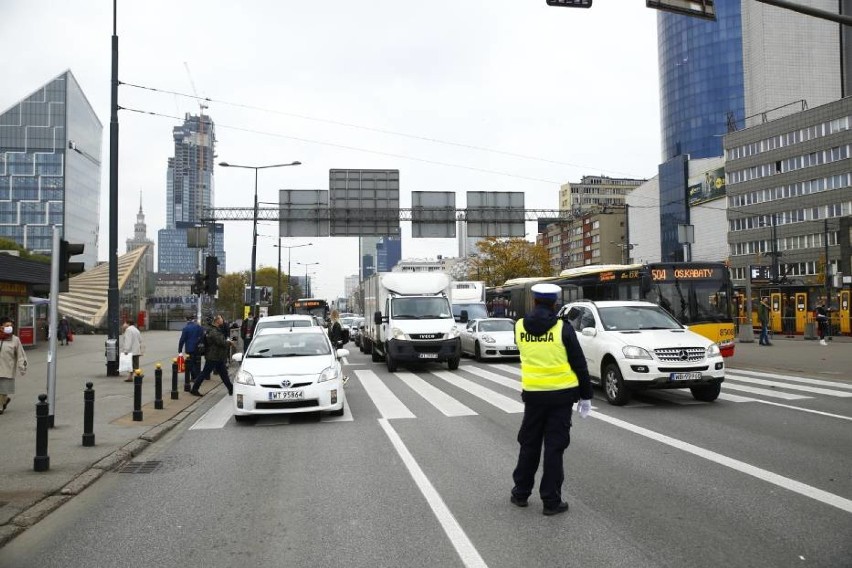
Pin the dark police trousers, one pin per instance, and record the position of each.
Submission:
(551, 424)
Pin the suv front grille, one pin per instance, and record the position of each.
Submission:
(680, 354)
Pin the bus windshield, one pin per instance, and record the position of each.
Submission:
(691, 302)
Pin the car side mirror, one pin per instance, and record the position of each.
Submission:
(589, 332)
(237, 357)
(464, 317)
(377, 318)
(341, 353)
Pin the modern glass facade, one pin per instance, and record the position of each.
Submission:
(701, 80)
(50, 169)
(388, 253)
(673, 206)
(189, 191)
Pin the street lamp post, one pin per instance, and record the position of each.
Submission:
(289, 279)
(625, 248)
(252, 297)
(307, 282)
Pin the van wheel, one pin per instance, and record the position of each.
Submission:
(374, 354)
(453, 364)
(614, 388)
(706, 393)
(477, 354)
(391, 362)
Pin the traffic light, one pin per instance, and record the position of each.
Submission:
(67, 269)
(198, 284)
(570, 3)
(211, 275)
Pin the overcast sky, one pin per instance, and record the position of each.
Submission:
(574, 90)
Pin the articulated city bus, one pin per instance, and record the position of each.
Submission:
(698, 294)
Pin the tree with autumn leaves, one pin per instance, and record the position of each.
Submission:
(503, 259)
(232, 290)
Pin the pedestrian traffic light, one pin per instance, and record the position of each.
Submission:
(211, 275)
(198, 284)
(67, 269)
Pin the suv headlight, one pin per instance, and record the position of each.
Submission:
(713, 351)
(397, 333)
(244, 378)
(454, 332)
(633, 352)
(329, 374)
(488, 339)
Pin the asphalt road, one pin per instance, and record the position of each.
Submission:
(418, 472)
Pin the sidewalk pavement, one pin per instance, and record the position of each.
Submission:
(27, 496)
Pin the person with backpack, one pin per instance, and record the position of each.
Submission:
(216, 351)
(190, 344)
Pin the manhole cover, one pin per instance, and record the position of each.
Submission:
(140, 467)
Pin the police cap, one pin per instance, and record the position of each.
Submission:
(547, 292)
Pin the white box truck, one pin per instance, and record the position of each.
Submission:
(408, 318)
(468, 296)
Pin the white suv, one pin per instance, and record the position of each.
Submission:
(638, 345)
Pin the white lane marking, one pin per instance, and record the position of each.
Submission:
(788, 386)
(509, 369)
(504, 403)
(735, 398)
(218, 415)
(737, 465)
(388, 404)
(494, 377)
(821, 413)
(805, 380)
(438, 398)
(764, 392)
(460, 541)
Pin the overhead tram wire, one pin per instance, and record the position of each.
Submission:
(378, 130)
(355, 148)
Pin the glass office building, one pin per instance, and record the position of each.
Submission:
(701, 80)
(50, 169)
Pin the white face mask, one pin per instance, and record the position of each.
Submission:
(8, 329)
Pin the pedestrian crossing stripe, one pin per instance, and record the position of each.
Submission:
(443, 402)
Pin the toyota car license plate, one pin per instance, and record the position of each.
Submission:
(286, 395)
(692, 376)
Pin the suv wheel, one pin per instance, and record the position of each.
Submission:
(614, 388)
(706, 393)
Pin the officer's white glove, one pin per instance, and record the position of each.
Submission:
(584, 407)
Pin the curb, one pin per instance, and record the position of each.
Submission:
(39, 510)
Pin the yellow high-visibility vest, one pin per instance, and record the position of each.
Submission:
(544, 361)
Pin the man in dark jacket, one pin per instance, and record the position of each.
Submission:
(216, 352)
(190, 335)
(554, 375)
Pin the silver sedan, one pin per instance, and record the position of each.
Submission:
(489, 338)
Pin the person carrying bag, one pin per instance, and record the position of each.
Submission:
(13, 361)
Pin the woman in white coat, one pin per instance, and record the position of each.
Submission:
(13, 361)
(132, 344)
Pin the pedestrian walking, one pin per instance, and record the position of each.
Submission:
(554, 375)
(335, 330)
(13, 361)
(763, 317)
(63, 331)
(217, 349)
(822, 321)
(132, 345)
(190, 336)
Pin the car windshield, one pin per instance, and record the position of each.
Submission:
(630, 318)
(282, 323)
(288, 345)
(496, 325)
(421, 308)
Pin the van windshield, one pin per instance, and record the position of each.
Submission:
(420, 308)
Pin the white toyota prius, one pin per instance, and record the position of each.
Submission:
(288, 370)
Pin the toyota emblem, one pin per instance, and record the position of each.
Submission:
(285, 384)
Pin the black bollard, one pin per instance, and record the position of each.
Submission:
(89, 415)
(174, 379)
(187, 384)
(158, 387)
(137, 395)
(41, 462)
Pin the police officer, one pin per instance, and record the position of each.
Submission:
(553, 376)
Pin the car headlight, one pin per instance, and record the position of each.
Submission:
(713, 351)
(633, 352)
(244, 378)
(329, 374)
(454, 332)
(488, 339)
(397, 333)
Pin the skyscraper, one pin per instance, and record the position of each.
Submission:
(50, 169)
(189, 191)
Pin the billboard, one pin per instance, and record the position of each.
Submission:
(708, 186)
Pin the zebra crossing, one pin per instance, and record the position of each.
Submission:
(497, 386)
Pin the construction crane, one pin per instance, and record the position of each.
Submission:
(194, 90)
